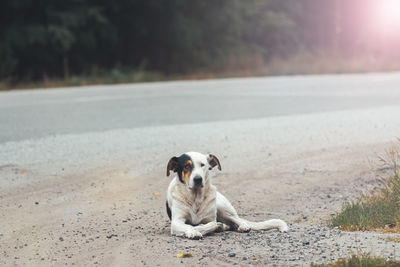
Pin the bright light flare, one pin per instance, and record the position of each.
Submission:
(388, 13)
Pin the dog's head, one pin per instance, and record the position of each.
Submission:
(192, 168)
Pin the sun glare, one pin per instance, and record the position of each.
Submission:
(388, 12)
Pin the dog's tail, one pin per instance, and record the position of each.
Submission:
(269, 224)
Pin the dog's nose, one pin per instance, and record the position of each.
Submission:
(198, 180)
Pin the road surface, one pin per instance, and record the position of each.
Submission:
(79, 166)
(40, 113)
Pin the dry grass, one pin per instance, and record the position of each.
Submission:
(245, 66)
(393, 239)
(379, 211)
(360, 261)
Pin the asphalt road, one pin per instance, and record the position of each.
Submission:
(32, 114)
(69, 131)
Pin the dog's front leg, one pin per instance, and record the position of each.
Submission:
(209, 227)
(180, 228)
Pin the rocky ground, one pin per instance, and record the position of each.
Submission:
(110, 216)
(98, 198)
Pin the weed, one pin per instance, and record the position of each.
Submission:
(379, 211)
(360, 261)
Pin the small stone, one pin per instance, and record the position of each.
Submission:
(232, 254)
(112, 235)
(61, 239)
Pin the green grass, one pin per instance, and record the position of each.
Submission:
(378, 211)
(360, 261)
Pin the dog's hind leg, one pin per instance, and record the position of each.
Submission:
(269, 224)
(227, 214)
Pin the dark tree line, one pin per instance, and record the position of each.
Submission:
(54, 38)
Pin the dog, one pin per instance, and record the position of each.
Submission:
(194, 205)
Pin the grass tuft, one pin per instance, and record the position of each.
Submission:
(393, 239)
(379, 211)
(360, 261)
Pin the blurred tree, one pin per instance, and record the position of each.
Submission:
(39, 37)
(54, 38)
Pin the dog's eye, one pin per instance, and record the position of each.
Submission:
(202, 164)
(188, 167)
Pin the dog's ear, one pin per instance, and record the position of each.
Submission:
(213, 161)
(172, 165)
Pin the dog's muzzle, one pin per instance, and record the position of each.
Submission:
(198, 181)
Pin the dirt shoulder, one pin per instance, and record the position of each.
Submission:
(109, 216)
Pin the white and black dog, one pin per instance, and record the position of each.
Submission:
(194, 205)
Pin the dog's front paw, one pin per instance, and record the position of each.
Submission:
(244, 227)
(193, 234)
(283, 227)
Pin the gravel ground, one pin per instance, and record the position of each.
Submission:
(88, 199)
